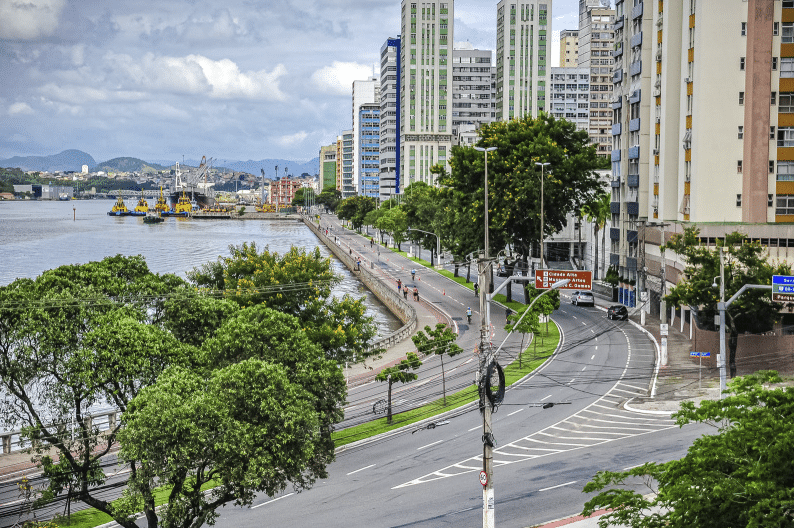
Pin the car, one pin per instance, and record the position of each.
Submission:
(583, 297)
(574, 294)
(501, 271)
(618, 311)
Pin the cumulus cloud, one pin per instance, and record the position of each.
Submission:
(29, 19)
(19, 108)
(338, 78)
(196, 74)
(292, 139)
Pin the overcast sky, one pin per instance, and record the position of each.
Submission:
(242, 79)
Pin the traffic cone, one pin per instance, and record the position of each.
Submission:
(443, 292)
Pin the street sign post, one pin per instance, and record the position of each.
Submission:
(700, 356)
(783, 288)
(579, 280)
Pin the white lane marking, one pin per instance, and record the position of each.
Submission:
(515, 412)
(558, 486)
(428, 445)
(362, 469)
(584, 368)
(632, 467)
(546, 398)
(475, 428)
(596, 347)
(592, 358)
(592, 331)
(574, 317)
(572, 380)
(274, 500)
(585, 323)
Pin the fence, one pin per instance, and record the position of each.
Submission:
(100, 422)
(384, 291)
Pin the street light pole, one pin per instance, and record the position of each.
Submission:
(438, 243)
(485, 360)
(542, 178)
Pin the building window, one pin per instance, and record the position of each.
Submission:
(774, 63)
(775, 28)
(771, 132)
(744, 29)
(786, 105)
(787, 66)
(771, 166)
(785, 136)
(785, 171)
(787, 34)
(738, 200)
(741, 63)
(741, 132)
(773, 98)
(788, 3)
(785, 205)
(770, 200)
(739, 166)
(741, 98)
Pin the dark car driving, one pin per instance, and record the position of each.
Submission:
(618, 311)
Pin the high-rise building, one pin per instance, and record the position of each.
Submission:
(328, 166)
(389, 118)
(522, 31)
(364, 93)
(569, 48)
(347, 164)
(339, 163)
(570, 94)
(368, 147)
(425, 84)
(596, 50)
(473, 87)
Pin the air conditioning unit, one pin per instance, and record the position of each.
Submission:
(657, 92)
(687, 178)
(688, 80)
(658, 119)
(655, 152)
(658, 54)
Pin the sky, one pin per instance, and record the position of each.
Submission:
(158, 80)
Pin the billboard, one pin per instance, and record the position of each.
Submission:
(580, 280)
(782, 288)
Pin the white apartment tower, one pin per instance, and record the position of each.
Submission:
(596, 49)
(364, 93)
(523, 31)
(473, 88)
(425, 86)
(570, 95)
(389, 118)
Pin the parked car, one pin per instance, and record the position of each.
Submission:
(618, 311)
(502, 271)
(583, 297)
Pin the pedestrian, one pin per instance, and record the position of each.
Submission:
(416, 294)
(371, 243)
(399, 284)
(476, 289)
(351, 251)
(358, 264)
(508, 313)
(405, 293)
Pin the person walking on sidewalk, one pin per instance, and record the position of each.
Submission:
(405, 292)
(416, 294)
(476, 289)
(399, 284)
(371, 243)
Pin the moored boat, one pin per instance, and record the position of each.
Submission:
(153, 217)
(142, 207)
(161, 206)
(119, 208)
(183, 207)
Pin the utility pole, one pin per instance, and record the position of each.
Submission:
(722, 308)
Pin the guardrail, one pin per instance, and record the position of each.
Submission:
(385, 292)
(102, 421)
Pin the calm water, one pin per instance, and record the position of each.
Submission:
(37, 236)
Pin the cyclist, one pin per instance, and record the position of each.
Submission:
(413, 274)
(468, 314)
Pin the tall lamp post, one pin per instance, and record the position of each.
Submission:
(542, 178)
(438, 243)
(485, 360)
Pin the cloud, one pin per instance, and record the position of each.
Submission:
(19, 108)
(338, 78)
(290, 140)
(196, 74)
(29, 19)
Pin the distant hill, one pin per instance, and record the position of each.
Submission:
(128, 165)
(294, 168)
(68, 160)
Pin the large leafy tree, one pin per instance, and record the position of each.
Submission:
(355, 209)
(515, 181)
(395, 222)
(330, 198)
(745, 263)
(741, 476)
(298, 283)
(439, 341)
(399, 373)
(421, 206)
(597, 212)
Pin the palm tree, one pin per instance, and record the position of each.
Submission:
(597, 212)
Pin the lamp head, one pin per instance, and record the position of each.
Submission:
(560, 284)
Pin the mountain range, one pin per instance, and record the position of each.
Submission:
(73, 160)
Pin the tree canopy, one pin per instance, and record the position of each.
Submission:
(741, 476)
(356, 209)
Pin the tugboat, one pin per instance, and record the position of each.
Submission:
(182, 208)
(153, 217)
(161, 206)
(119, 208)
(142, 208)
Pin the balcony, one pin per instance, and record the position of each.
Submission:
(633, 180)
(636, 40)
(636, 11)
(614, 233)
(617, 104)
(635, 68)
(617, 76)
(634, 125)
(635, 97)
(614, 208)
(614, 259)
(618, 23)
(631, 263)
(634, 152)
(616, 155)
(633, 208)
(616, 182)
(617, 52)
(631, 236)
(616, 129)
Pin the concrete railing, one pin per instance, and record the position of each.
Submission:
(384, 291)
(101, 421)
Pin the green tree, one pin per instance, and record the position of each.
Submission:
(745, 263)
(741, 476)
(526, 324)
(330, 198)
(299, 197)
(394, 221)
(399, 373)
(297, 283)
(421, 206)
(355, 209)
(439, 341)
(597, 212)
(514, 179)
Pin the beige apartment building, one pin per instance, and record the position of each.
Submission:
(569, 48)
(712, 142)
